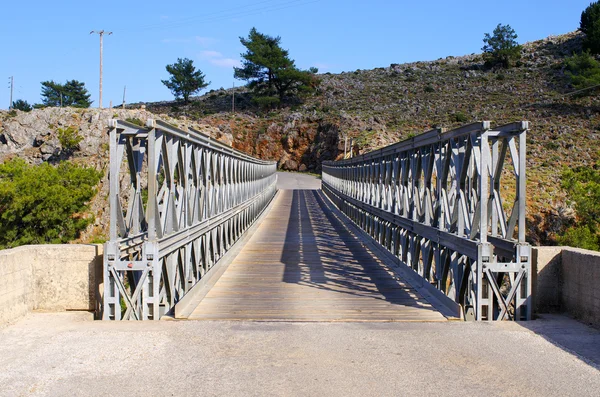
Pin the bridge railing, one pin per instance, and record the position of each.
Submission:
(451, 206)
(178, 201)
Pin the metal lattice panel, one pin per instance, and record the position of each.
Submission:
(451, 206)
(178, 201)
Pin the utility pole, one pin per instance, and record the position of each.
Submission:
(12, 86)
(101, 33)
(345, 146)
(233, 99)
(124, 91)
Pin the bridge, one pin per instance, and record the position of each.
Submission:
(359, 283)
(417, 230)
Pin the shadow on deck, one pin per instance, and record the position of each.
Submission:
(305, 264)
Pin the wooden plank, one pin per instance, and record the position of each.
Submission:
(303, 264)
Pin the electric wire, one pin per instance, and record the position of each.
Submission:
(203, 19)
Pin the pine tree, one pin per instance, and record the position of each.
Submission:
(22, 105)
(501, 48)
(590, 25)
(72, 93)
(270, 72)
(185, 79)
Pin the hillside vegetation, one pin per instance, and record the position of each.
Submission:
(382, 106)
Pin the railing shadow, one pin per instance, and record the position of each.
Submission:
(320, 251)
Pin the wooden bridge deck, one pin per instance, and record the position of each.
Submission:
(304, 264)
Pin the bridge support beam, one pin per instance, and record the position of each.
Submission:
(451, 206)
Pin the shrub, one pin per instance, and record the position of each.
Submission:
(581, 237)
(429, 88)
(590, 25)
(582, 185)
(135, 121)
(501, 48)
(44, 204)
(266, 102)
(69, 139)
(583, 70)
(459, 117)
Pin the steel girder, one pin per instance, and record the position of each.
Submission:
(451, 206)
(178, 201)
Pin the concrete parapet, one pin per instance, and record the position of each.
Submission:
(580, 275)
(568, 280)
(50, 278)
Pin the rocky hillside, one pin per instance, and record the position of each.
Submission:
(375, 107)
(381, 106)
(34, 136)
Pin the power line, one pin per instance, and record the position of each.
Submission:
(198, 19)
(209, 14)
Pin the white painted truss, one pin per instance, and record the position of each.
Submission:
(178, 201)
(451, 206)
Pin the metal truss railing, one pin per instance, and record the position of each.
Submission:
(178, 201)
(451, 206)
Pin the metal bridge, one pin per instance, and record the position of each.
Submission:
(427, 229)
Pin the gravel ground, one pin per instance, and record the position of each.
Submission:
(65, 354)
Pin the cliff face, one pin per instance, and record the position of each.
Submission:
(375, 108)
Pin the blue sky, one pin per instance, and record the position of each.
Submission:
(45, 40)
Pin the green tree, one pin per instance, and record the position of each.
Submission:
(270, 72)
(44, 204)
(590, 25)
(501, 48)
(185, 79)
(582, 185)
(583, 70)
(72, 93)
(22, 105)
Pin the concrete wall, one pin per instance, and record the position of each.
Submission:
(49, 277)
(568, 280)
(546, 279)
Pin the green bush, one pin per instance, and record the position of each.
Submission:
(590, 25)
(135, 121)
(582, 185)
(44, 204)
(581, 237)
(583, 70)
(459, 117)
(266, 102)
(69, 139)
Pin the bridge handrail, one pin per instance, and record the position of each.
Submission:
(189, 199)
(421, 199)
